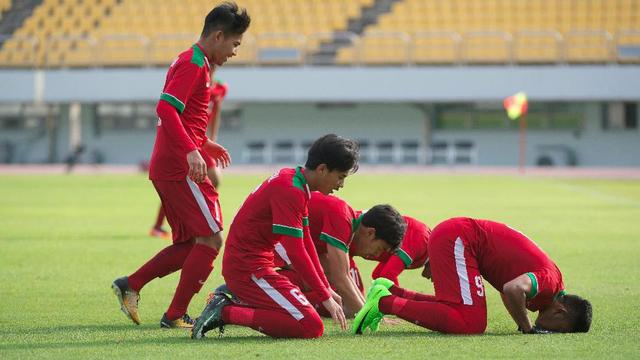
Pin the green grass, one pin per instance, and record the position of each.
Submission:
(63, 239)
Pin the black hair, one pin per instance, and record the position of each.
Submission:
(336, 152)
(228, 18)
(388, 223)
(579, 312)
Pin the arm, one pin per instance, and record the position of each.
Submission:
(313, 254)
(172, 125)
(514, 296)
(389, 269)
(338, 263)
(302, 263)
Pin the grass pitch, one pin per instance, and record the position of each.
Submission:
(63, 239)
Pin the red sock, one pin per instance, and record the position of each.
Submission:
(437, 316)
(165, 262)
(274, 323)
(195, 271)
(160, 218)
(410, 295)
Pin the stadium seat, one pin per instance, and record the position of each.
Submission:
(153, 32)
(532, 31)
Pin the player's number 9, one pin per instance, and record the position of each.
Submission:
(479, 285)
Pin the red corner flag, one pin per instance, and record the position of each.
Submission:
(516, 105)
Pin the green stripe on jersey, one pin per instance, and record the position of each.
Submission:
(198, 56)
(299, 180)
(534, 286)
(335, 242)
(287, 230)
(406, 259)
(179, 105)
(356, 222)
(305, 221)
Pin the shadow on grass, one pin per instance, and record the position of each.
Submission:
(176, 337)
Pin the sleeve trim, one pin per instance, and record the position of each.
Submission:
(287, 230)
(534, 286)
(406, 259)
(174, 101)
(335, 242)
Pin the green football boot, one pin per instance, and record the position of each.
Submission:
(370, 315)
(381, 281)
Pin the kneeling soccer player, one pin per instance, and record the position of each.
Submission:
(276, 213)
(461, 252)
(338, 233)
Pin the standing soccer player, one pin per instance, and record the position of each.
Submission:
(275, 218)
(461, 252)
(218, 93)
(178, 170)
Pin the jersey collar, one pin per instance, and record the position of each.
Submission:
(204, 54)
(356, 222)
(559, 294)
(300, 181)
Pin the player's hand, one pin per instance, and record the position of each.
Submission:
(539, 330)
(336, 312)
(197, 166)
(335, 296)
(217, 152)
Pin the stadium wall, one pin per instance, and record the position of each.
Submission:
(377, 104)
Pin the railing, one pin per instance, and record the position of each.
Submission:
(342, 48)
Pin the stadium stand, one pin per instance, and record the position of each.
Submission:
(4, 6)
(498, 31)
(400, 32)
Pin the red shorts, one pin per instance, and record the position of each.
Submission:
(192, 210)
(270, 291)
(454, 268)
(295, 278)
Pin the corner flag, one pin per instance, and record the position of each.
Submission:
(516, 105)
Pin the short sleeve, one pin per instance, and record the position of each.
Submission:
(180, 86)
(336, 230)
(288, 209)
(544, 286)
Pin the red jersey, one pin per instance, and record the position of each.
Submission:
(331, 221)
(187, 89)
(277, 207)
(502, 257)
(413, 250)
(218, 93)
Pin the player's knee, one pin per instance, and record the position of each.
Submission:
(312, 325)
(214, 241)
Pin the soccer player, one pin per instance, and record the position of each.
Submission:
(461, 252)
(218, 93)
(178, 170)
(412, 253)
(275, 218)
(338, 233)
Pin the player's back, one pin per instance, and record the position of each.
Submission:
(414, 242)
(275, 208)
(505, 253)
